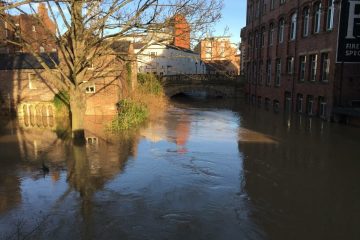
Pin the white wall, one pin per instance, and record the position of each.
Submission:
(163, 60)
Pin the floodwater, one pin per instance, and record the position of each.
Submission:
(207, 169)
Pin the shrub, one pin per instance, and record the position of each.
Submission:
(149, 84)
(61, 102)
(131, 114)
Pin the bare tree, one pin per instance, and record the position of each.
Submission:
(85, 31)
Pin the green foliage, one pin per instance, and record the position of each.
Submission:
(149, 84)
(61, 101)
(131, 114)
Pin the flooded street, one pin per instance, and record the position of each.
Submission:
(207, 169)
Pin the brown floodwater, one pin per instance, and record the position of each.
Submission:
(206, 169)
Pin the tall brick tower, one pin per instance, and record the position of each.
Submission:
(181, 32)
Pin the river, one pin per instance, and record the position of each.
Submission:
(207, 169)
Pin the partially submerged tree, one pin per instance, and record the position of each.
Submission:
(84, 32)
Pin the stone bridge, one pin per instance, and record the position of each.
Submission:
(213, 85)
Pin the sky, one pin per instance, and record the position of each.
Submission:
(233, 16)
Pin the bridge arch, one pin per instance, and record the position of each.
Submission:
(212, 91)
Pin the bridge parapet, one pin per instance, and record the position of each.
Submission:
(216, 85)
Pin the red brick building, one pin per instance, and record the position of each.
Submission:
(220, 55)
(35, 29)
(25, 87)
(289, 50)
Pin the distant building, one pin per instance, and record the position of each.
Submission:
(220, 55)
(163, 59)
(167, 51)
(289, 50)
(14, 28)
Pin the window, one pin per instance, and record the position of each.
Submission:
(309, 105)
(278, 72)
(322, 107)
(262, 37)
(42, 49)
(330, 15)
(276, 106)
(325, 67)
(255, 72)
(271, 34)
(302, 68)
(290, 65)
(299, 103)
(272, 4)
(153, 55)
(92, 140)
(256, 35)
(293, 26)
(306, 19)
(90, 89)
(288, 100)
(281, 30)
(268, 73)
(267, 103)
(33, 81)
(282, 2)
(260, 73)
(313, 67)
(317, 17)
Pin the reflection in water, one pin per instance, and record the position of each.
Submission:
(305, 187)
(204, 170)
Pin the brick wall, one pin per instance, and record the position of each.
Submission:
(36, 30)
(181, 32)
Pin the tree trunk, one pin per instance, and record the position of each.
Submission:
(77, 109)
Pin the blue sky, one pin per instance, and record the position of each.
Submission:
(233, 16)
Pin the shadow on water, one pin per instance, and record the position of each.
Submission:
(304, 183)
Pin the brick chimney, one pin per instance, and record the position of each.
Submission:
(181, 32)
(44, 16)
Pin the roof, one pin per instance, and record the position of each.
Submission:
(27, 61)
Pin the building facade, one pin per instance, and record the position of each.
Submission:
(289, 58)
(220, 55)
(162, 59)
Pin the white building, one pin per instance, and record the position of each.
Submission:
(164, 59)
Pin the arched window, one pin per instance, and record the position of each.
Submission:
(281, 30)
(330, 15)
(317, 17)
(293, 26)
(306, 20)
